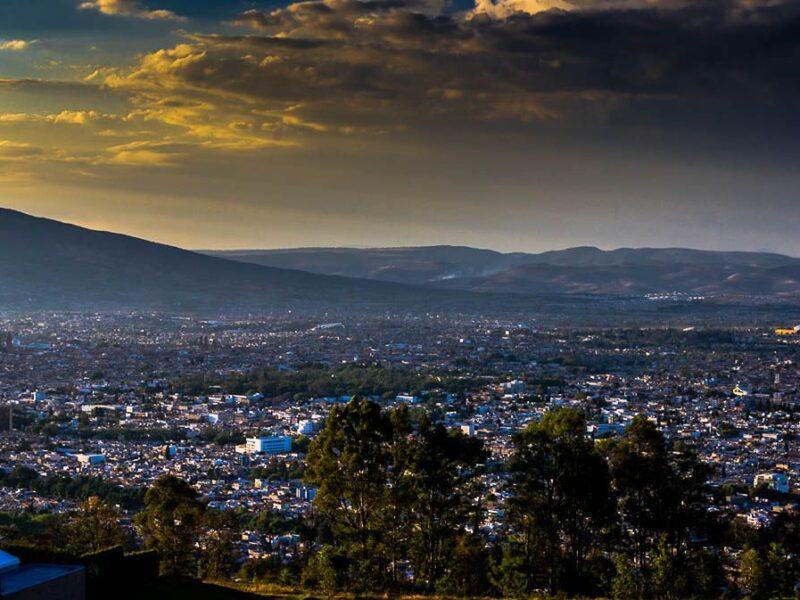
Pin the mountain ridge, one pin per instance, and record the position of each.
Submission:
(53, 264)
(578, 270)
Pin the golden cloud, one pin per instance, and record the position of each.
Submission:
(69, 117)
(15, 45)
(130, 8)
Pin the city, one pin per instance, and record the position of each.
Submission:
(231, 406)
(399, 300)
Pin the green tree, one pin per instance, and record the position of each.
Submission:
(628, 583)
(660, 492)
(396, 516)
(445, 466)
(95, 527)
(561, 509)
(468, 572)
(170, 524)
(348, 464)
(217, 556)
(755, 575)
(508, 573)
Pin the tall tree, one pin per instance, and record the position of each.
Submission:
(95, 527)
(170, 524)
(445, 466)
(396, 515)
(217, 556)
(660, 502)
(348, 464)
(561, 508)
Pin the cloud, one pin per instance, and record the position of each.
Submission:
(130, 8)
(16, 45)
(501, 9)
(327, 67)
(12, 150)
(140, 154)
(69, 117)
(321, 70)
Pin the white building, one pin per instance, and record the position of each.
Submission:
(514, 387)
(280, 444)
(306, 427)
(91, 459)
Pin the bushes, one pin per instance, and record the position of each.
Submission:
(29, 552)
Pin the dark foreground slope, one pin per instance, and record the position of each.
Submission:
(49, 264)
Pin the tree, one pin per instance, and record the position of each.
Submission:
(508, 573)
(396, 516)
(468, 573)
(169, 524)
(95, 527)
(661, 502)
(561, 508)
(217, 557)
(755, 576)
(348, 463)
(445, 466)
(660, 492)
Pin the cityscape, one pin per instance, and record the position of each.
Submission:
(399, 300)
(102, 406)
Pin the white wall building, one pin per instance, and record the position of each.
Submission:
(280, 444)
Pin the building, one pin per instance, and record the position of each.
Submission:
(40, 581)
(514, 387)
(776, 481)
(786, 331)
(279, 444)
(90, 459)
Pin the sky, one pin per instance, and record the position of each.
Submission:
(510, 124)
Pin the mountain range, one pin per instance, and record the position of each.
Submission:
(582, 270)
(47, 264)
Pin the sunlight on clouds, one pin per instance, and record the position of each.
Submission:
(129, 8)
(71, 117)
(365, 105)
(12, 150)
(16, 45)
(501, 9)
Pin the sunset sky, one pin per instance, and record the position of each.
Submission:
(509, 124)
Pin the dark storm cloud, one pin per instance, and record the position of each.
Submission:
(399, 63)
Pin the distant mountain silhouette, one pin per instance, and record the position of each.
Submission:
(46, 264)
(583, 270)
(49, 264)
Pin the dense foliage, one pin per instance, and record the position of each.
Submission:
(400, 507)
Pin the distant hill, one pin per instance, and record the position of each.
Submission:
(583, 270)
(49, 264)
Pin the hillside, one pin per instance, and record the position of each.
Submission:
(584, 270)
(49, 264)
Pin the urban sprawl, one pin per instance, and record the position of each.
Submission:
(231, 406)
